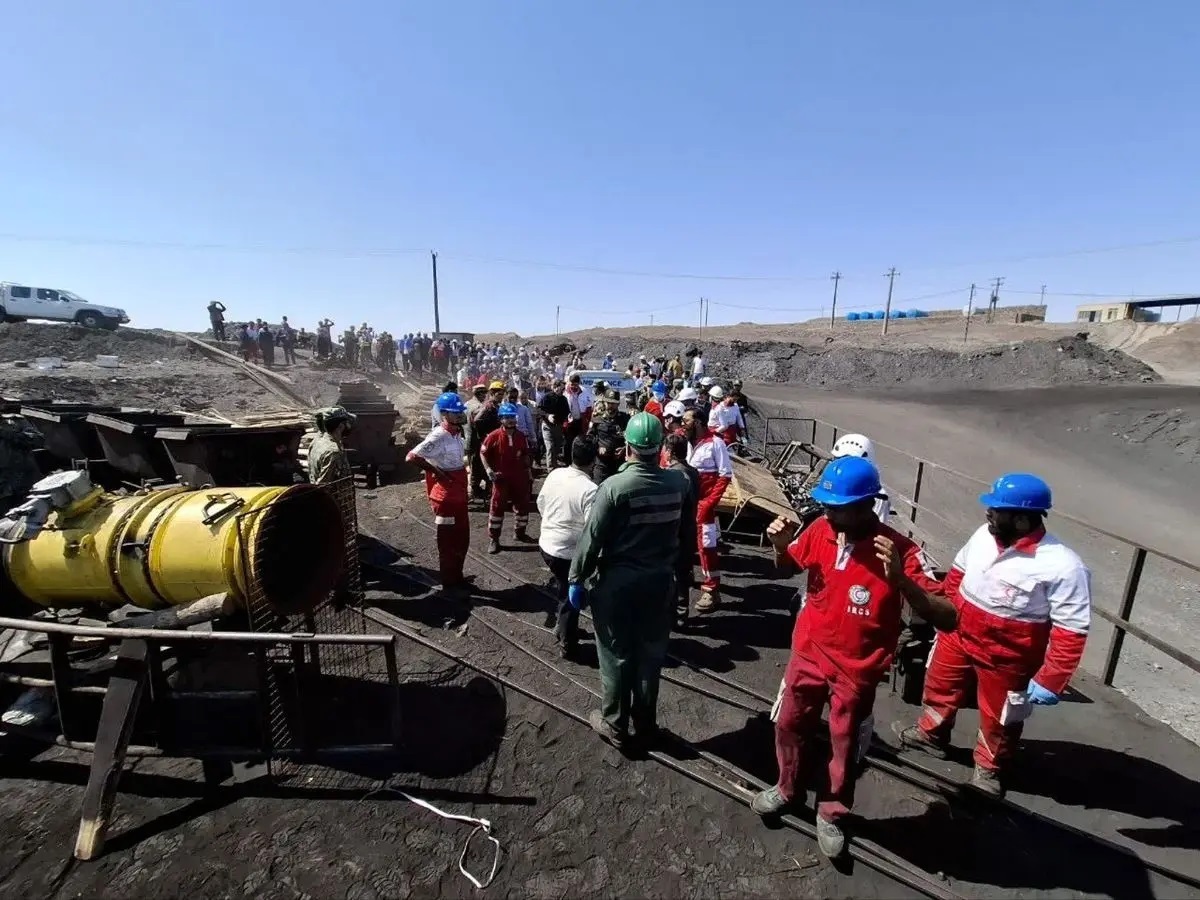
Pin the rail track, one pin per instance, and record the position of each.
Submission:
(881, 757)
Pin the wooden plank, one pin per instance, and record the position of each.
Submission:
(117, 719)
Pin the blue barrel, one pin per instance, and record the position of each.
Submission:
(899, 314)
(879, 314)
(913, 313)
(851, 317)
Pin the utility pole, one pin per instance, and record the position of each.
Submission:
(967, 317)
(701, 318)
(835, 278)
(707, 304)
(557, 313)
(996, 282)
(1043, 303)
(890, 275)
(651, 320)
(437, 319)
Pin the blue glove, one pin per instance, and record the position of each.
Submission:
(576, 596)
(1041, 696)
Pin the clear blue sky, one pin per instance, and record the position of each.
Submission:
(764, 139)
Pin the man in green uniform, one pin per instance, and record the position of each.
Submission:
(625, 561)
(327, 461)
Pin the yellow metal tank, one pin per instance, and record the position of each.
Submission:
(283, 546)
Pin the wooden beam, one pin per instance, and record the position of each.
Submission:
(117, 718)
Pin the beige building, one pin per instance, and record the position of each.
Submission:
(1113, 312)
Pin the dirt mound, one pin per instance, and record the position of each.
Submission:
(27, 340)
(1046, 363)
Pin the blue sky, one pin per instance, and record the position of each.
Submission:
(281, 156)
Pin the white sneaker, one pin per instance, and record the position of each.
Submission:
(830, 838)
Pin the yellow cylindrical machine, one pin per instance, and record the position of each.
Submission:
(282, 546)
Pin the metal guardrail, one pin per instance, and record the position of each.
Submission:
(1137, 559)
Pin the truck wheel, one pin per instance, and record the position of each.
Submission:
(90, 319)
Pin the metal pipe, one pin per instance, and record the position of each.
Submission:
(1132, 579)
(251, 637)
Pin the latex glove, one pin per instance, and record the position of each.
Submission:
(576, 596)
(1041, 696)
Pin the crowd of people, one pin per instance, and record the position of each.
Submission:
(1012, 614)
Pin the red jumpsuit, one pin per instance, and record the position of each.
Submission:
(843, 641)
(448, 498)
(1023, 612)
(710, 458)
(506, 454)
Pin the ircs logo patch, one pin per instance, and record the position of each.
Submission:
(859, 595)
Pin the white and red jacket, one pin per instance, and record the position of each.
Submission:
(1030, 599)
(710, 457)
(445, 449)
(725, 420)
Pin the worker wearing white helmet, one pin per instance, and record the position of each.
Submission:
(862, 446)
(725, 416)
(687, 397)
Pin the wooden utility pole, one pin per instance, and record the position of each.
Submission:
(967, 317)
(890, 275)
(557, 313)
(437, 319)
(835, 278)
(994, 302)
(707, 304)
(701, 318)
(651, 320)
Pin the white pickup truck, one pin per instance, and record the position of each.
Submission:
(19, 302)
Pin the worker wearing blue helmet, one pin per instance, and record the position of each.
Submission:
(1024, 603)
(442, 456)
(860, 573)
(508, 459)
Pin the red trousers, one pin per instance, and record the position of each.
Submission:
(708, 532)
(448, 500)
(998, 657)
(805, 690)
(508, 493)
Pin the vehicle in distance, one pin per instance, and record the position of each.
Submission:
(19, 302)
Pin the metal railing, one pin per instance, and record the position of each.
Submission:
(809, 427)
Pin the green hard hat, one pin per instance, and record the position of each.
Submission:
(644, 433)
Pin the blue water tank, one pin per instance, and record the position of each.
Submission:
(851, 317)
(879, 314)
(899, 314)
(913, 313)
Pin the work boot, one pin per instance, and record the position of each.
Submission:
(708, 601)
(606, 730)
(987, 781)
(770, 802)
(493, 545)
(523, 536)
(830, 838)
(913, 738)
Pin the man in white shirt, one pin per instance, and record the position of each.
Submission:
(725, 416)
(564, 503)
(697, 367)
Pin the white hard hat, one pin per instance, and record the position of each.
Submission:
(705, 381)
(854, 445)
(687, 394)
(716, 392)
(674, 409)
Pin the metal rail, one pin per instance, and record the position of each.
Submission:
(859, 849)
(1139, 552)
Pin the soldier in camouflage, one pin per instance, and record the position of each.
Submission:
(327, 460)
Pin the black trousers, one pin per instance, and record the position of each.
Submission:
(567, 628)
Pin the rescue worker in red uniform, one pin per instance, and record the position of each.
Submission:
(710, 457)
(673, 424)
(860, 572)
(442, 456)
(1024, 608)
(658, 396)
(508, 461)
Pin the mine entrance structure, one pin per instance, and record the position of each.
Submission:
(275, 572)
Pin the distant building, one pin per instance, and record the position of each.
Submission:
(1113, 312)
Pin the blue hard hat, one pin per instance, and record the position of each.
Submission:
(507, 410)
(450, 402)
(847, 480)
(1017, 490)
(659, 387)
